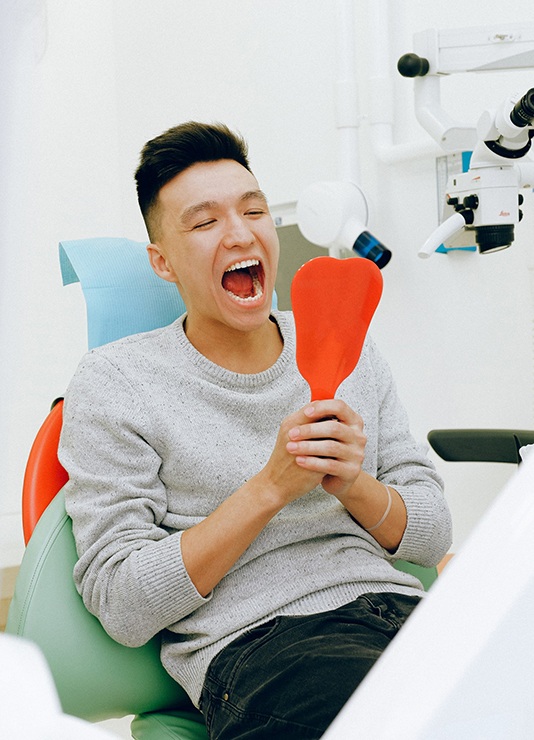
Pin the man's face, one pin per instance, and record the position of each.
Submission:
(218, 243)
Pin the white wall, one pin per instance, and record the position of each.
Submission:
(61, 179)
(91, 82)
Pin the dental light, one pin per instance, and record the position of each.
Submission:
(486, 199)
(335, 215)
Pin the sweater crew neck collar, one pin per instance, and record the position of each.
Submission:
(221, 376)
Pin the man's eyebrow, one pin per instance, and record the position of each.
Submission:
(254, 195)
(191, 211)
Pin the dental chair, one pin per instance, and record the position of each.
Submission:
(97, 678)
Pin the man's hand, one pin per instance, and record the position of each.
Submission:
(330, 443)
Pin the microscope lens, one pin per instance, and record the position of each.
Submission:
(368, 246)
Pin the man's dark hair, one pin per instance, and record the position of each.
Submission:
(174, 151)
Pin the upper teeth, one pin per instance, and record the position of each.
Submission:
(242, 265)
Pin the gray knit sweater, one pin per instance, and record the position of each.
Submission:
(155, 436)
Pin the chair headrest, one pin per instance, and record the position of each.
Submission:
(123, 294)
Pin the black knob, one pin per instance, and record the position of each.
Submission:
(411, 65)
(520, 199)
(471, 201)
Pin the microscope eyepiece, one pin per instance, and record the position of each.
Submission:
(522, 114)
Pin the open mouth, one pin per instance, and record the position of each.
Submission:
(244, 281)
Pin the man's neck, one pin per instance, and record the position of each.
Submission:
(240, 352)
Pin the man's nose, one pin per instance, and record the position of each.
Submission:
(237, 233)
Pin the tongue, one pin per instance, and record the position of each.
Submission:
(239, 282)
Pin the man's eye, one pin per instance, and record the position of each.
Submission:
(255, 212)
(204, 224)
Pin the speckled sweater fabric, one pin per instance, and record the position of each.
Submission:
(155, 437)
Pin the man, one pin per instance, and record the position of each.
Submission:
(211, 500)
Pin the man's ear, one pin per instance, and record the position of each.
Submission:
(160, 264)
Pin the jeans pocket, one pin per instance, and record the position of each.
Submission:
(375, 604)
(226, 664)
(245, 646)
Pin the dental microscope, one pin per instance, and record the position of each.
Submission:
(482, 205)
(486, 199)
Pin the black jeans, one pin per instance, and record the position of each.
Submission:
(290, 677)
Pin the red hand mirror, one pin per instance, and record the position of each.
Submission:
(333, 302)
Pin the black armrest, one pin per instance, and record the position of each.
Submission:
(480, 445)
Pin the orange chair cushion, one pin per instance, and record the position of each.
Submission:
(44, 475)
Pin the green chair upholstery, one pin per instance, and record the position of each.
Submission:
(179, 724)
(96, 678)
(427, 576)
